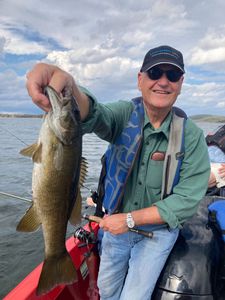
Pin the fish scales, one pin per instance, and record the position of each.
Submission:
(55, 184)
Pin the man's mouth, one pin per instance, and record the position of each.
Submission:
(161, 92)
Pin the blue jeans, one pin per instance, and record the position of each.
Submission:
(131, 264)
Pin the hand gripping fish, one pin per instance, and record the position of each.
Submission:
(58, 173)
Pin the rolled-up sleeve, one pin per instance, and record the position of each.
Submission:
(106, 120)
(182, 204)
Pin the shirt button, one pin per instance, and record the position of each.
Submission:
(142, 163)
(135, 203)
(139, 182)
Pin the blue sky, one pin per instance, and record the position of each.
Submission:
(102, 44)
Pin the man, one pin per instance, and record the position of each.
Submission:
(216, 150)
(138, 193)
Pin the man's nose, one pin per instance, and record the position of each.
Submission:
(163, 80)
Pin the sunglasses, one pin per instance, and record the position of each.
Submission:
(172, 75)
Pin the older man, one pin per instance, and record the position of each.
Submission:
(157, 169)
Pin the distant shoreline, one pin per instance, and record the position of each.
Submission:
(208, 118)
(195, 118)
(20, 116)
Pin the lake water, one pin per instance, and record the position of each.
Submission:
(21, 252)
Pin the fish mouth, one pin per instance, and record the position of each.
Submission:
(53, 96)
(58, 101)
(63, 117)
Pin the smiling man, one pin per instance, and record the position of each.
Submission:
(157, 169)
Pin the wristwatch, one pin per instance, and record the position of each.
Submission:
(130, 221)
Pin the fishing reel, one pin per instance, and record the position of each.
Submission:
(87, 237)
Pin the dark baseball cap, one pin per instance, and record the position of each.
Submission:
(163, 55)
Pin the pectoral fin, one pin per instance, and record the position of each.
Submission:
(33, 151)
(30, 221)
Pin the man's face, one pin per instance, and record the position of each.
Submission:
(159, 94)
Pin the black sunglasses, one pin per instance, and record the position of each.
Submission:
(172, 75)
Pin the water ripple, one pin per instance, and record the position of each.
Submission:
(21, 252)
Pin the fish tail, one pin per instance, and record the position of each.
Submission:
(57, 270)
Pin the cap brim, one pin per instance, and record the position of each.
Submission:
(161, 63)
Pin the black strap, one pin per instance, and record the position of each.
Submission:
(99, 195)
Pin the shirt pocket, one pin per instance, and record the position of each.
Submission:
(154, 174)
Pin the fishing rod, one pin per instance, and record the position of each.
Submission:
(16, 197)
(84, 186)
(148, 234)
(14, 136)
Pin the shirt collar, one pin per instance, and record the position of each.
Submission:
(164, 128)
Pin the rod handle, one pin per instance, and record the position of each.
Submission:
(148, 234)
(92, 218)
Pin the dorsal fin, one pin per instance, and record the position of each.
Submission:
(83, 171)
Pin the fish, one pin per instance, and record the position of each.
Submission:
(59, 171)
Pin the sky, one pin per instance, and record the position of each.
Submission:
(103, 43)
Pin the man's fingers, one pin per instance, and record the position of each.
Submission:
(60, 80)
(38, 97)
(41, 76)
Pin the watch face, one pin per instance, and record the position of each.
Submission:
(130, 221)
(131, 224)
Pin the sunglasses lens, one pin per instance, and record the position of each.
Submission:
(173, 75)
(156, 73)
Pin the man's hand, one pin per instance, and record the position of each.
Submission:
(115, 224)
(212, 180)
(42, 75)
(221, 171)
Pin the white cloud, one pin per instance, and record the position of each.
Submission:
(221, 104)
(103, 44)
(202, 98)
(18, 46)
(105, 70)
(13, 41)
(13, 95)
(210, 49)
(164, 9)
(2, 44)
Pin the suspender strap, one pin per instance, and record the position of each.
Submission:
(174, 155)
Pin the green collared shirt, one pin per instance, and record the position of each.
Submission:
(143, 188)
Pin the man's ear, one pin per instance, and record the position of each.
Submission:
(182, 80)
(139, 80)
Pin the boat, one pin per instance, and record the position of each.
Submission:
(195, 269)
(84, 254)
